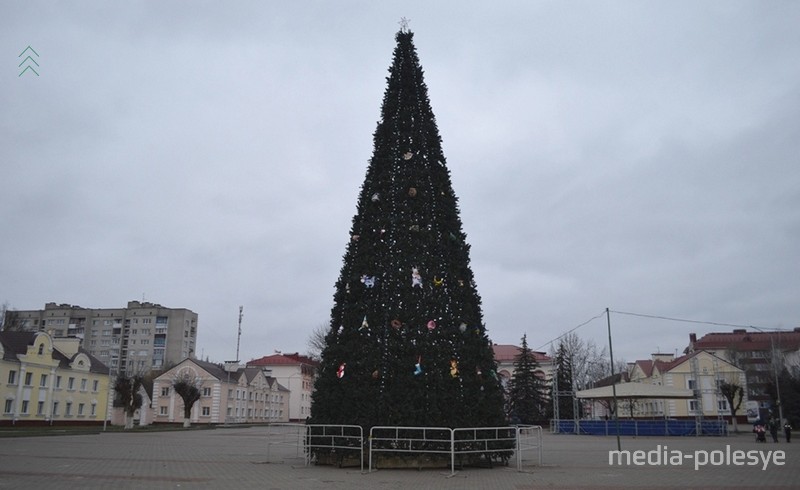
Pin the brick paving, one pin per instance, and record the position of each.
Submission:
(237, 458)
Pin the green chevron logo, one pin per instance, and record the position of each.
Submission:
(28, 61)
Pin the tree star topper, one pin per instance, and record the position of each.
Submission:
(404, 24)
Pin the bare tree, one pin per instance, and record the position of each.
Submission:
(316, 341)
(128, 397)
(589, 362)
(734, 394)
(188, 388)
(10, 320)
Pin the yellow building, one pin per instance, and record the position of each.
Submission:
(46, 380)
(700, 371)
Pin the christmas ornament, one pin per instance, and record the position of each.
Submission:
(369, 281)
(453, 368)
(412, 192)
(461, 282)
(364, 324)
(418, 367)
(414, 227)
(462, 328)
(397, 324)
(376, 197)
(347, 287)
(438, 282)
(375, 374)
(416, 279)
(355, 238)
(431, 325)
(407, 155)
(340, 371)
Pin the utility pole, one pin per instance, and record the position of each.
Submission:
(613, 383)
(239, 337)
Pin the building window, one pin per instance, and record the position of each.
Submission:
(206, 391)
(206, 411)
(163, 410)
(722, 405)
(28, 379)
(41, 349)
(58, 381)
(43, 381)
(80, 408)
(94, 409)
(40, 408)
(694, 406)
(55, 409)
(165, 391)
(83, 384)
(24, 406)
(12, 377)
(9, 406)
(71, 383)
(691, 384)
(95, 385)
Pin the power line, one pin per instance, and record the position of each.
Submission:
(572, 330)
(702, 322)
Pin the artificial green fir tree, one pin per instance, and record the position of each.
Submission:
(407, 345)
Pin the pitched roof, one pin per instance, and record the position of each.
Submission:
(741, 339)
(283, 359)
(16, 343)
(508, 352)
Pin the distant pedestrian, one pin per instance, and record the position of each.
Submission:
(773, 429)
(787, 429)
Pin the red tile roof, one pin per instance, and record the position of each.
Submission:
(507, 352)
(283, 359)
(747, 341)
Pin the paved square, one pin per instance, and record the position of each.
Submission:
(237, 458)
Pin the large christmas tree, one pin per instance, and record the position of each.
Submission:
(407, 345)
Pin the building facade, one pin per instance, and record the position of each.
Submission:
(506, 354)
(762, 355)
(229, 394)
(297, 373)
(137, 338)
(700, 371)
(49, 381)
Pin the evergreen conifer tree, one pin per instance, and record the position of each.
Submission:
(406, 344)
(526, 393)
(563, 383)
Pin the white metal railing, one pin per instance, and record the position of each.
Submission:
(305, 437)
(427, 440)
(529, 438)
(420, 440)
(335, 437)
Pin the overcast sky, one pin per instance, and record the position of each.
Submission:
(637, 156)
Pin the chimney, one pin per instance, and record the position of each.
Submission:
(692, 338)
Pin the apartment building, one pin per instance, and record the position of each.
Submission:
(140, 337)
(297, 373)
(46, 380)
(229, 394)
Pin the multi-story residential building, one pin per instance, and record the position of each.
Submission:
(229, 394)
(137, 338)
(699, 371)
(45, 380)
(760, 354)
(297, 373)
